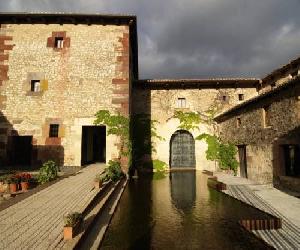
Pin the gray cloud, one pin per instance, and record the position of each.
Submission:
(199, 38)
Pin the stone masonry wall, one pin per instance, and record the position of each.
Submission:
(161, 105)
(90, 73)
(264, 158)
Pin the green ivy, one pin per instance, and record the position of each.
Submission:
(48, 172)
(223, 153)
(116, 125)
(141, 127)
(188, 120)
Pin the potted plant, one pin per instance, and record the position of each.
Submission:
(71, 224)
(25, 178)
(98, 181)
(13, 182)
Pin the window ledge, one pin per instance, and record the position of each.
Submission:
(182, 109)
(268, 127)
(32, 93)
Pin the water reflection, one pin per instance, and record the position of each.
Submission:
(183, 189)
(179, 212)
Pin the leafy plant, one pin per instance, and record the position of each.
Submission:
(188, 120)
(116, 125)
(159, 166)
(71, 219)
(12, 179)
(48, 172)
(25, 177)
(98, 177)
(113, 171)
(223, 153)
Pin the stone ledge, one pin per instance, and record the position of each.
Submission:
(95, 206)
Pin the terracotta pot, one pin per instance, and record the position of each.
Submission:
(70, 232)
(97, 184)
(25, 185)
(13, 187)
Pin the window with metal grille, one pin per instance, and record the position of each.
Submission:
(59, 42)
(181, 103)
(35, 85)
(53, 130)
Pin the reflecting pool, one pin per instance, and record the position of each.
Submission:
(179, 211)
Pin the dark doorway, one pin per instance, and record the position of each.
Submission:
(182, 150)
(291, 160)
(93, 147)
(243, 160)
(20, 150)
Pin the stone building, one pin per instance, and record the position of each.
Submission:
(161, 98)
(58, 70)
(266, 129)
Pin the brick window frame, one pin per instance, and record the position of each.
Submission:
(52, 41)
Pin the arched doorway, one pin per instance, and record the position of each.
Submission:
(182, 150)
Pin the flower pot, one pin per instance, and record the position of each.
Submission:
(25, 185)
(97, 184)
(70, 232)
(13, 187)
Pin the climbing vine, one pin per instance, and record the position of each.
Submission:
(136, 135)
(223, 153)
(116, 125)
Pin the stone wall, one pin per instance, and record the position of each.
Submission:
(265, 139)
(161, 104)
(90, 73)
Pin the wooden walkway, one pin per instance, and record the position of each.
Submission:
(286, 238)
(37, 221)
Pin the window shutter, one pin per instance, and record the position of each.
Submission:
(61, 131)
(44, 85)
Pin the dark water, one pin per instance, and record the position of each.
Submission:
(179, 212)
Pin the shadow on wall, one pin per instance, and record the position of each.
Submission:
(286, 161)
(140, 128)
(20, 152)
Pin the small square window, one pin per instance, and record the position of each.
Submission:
(59, 42)
(224, 98)
(53, 130)
(181, 103)
(241, 97)
(238, 122)
(35, 85)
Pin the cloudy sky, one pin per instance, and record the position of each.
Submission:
(199, 38)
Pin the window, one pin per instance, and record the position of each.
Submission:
(266, 117)
(241, 97)
(273, 85)
(181, 103)
(59, 42)
(53, 131)
(224, 98)
(35, 85)
(238, 122)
